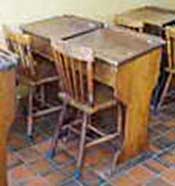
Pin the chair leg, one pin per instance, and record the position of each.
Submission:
(164, 91)
(68, 132)
(114, 162)
(119, 118)
(42, 94)
(52, 151)
(30, 115)
(77, 173)
(120, 131)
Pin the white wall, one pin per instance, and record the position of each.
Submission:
(164, 3)
(17, 11)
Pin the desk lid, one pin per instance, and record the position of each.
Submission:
(61, 27)
(117, 45)
(146, 15)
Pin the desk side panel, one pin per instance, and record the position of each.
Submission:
(135, 84)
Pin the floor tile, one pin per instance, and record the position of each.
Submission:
(41, 167)
(169, 175)
(158, 182)
(55, 178)
(20, 174)
(171, 135)
(36, 181)
(155, 166)
(28, 166)
(16, 142)
(169, 159)
(141, 174)
(63, 159)
(125, 180)
(13, 160)
(28, 155)
(43, 147)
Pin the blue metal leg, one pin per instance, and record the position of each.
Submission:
(30, 138)
(50, 154)
(77, 174)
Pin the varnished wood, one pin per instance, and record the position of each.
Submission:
(137, 18)
(29, 74)
(125, 60)
(121, 47)
(57, 28)
(7, 114)
(20, 44)
(135, 89)
(128, 74)
(68, 57)
(61, 27)
(152, 20)
(71, 75)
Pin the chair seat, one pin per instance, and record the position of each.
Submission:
(44, 73)
(25, 82)
(104, 99)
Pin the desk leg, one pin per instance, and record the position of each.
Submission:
(135, 83)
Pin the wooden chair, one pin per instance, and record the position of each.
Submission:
(75, 66)
(170, 69)
(30, 77)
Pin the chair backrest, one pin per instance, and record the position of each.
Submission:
(170, 37)
(20, 44)
(75, 68)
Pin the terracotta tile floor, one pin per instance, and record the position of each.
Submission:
(27, 165)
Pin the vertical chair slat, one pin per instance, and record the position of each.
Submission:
(63, 72)
(74, 78)
(68, 75)
(90, 82)
(30, 60)
(81, 85)
(60, 70)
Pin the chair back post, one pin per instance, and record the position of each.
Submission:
(20, 44)
(90, 80)
(75, 66)
(170, 37)
(89, 59)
